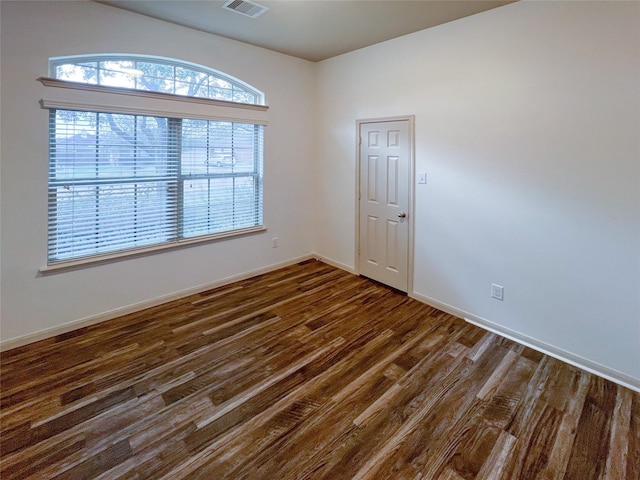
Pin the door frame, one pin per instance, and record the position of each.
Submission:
(411, 190)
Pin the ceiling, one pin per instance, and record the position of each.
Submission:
(311, 29)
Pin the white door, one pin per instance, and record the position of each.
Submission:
(384, 202)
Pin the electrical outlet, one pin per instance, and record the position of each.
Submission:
(497, 291)
(274, 242)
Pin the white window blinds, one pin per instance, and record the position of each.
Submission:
(220, 172)
(119, 182)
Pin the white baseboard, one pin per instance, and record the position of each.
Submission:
(560, 354)
(118, 312)
(456, 312)
(334, 263)
(543, 347)
(548, 349)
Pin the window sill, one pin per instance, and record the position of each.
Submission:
(139, 252)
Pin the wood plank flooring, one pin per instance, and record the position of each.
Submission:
(307, 372)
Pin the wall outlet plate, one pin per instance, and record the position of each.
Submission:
(497, 291)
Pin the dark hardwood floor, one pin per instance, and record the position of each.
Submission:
(307, 372)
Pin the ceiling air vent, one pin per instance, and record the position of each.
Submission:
(245, 7)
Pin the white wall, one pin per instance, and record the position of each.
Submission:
(34, 31)
(528, 125)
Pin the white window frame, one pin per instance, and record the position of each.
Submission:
(69, 95)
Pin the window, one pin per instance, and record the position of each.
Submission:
(129, 175)
(155, 75)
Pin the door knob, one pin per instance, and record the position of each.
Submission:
(402, 215)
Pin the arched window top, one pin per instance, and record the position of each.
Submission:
(154, 74)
